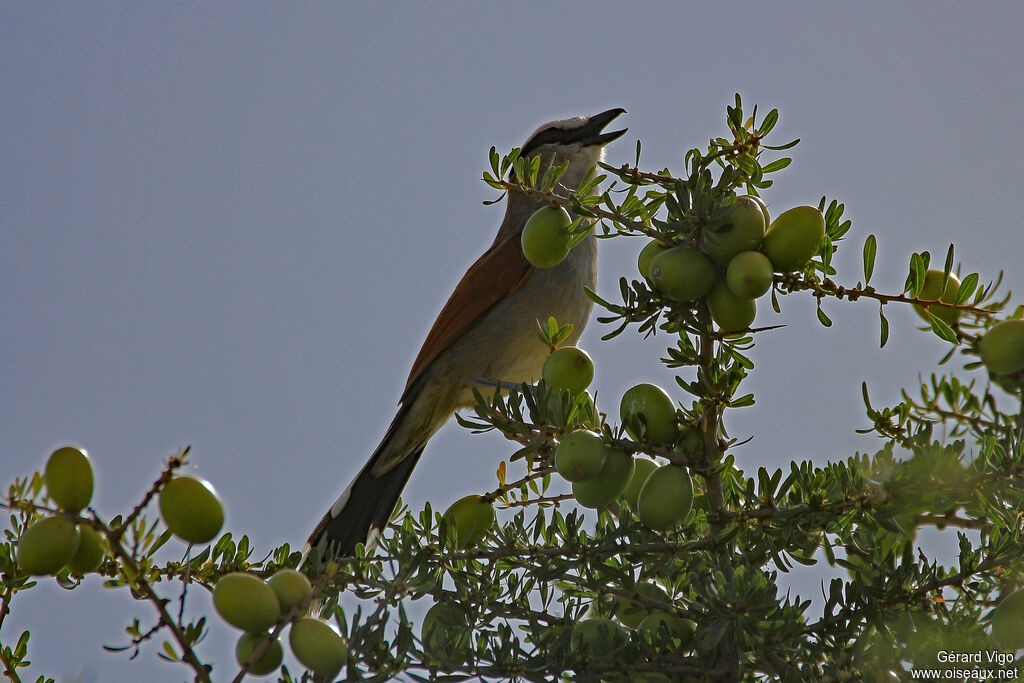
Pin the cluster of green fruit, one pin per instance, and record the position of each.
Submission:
(189, 505)
(599, 473)
(254, 606)
(660, 495)
(734, 260)
(53, 543)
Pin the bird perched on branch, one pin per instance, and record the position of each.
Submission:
(485, 334)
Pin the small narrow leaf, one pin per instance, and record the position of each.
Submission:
(769, 122)
(824, 319)
(942, 330)
(776, 165)
(915, 279)
(884, 323)
(742, 401)
(870, 248)
(495, 160)
(967, 288)
(780, 148)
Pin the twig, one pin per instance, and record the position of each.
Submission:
(5, 609)
(828, 287)
(173, 463)
(140, 582)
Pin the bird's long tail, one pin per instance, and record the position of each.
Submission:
(363, 510)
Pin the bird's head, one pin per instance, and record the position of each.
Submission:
(578, 140)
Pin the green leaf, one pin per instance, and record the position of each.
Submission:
(770, 119)
(164, 537)
(781, 148)
(742, 401)
(941, 329)
(510, 160)
(495, 159)
(948, 268)
(841, 230)
(824, 319)
(169, 652)
(884, 324)
(592, 295)
(776, 165)
(967, 288)
(915, 279)
(870, 247)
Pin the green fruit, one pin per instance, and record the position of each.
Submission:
(1008, 621)
(319, 646)
(749, 274)
(732, 313)
(597, 636)
(740, 229)
(633, 612)
(445, 633)
(580, 455)
(692, 441)
(90, 553)
(268, 661)
(292, 588)
(932, 290)
(764, 208)
(469, 519)
(1011, 384)
(245, 602)
(47, 546)
(191, 509)
(646, 257)
(677, 627)
(1002, 347)
(69, 479)
(546, 236)
(793, 238)
(568, 368)
(642, 468)
(682, 273)
(651, 405)
(609, 483)
(665, 498)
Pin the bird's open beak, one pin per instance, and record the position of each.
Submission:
(590, 133)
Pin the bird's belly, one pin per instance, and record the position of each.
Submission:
(506, 344)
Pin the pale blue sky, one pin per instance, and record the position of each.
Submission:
(231, 226)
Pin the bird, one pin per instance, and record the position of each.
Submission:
(484, 336)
